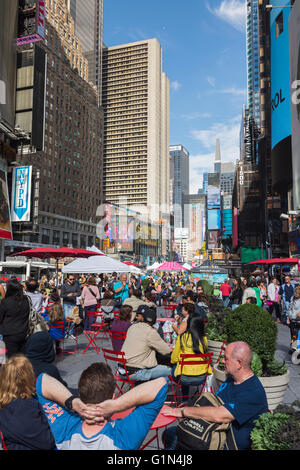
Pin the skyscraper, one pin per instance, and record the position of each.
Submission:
(180, 157)
(253, 78)
(136, 125)
(88, 21)
(217, 164)
(68, 164)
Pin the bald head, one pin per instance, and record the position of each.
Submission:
(240, 351)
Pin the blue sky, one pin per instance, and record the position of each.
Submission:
(204, 56)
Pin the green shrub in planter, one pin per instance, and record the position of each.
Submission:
(256, 327)
(215, 326)
(256, 364)
(279, 430)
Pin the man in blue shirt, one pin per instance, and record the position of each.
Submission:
(84, 422)
(286, 292)
(244, 398)
(121, 289)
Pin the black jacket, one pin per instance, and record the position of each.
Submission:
(40, 351)
(236, 296)
(14, 316)
(24, 426)
(69, 289)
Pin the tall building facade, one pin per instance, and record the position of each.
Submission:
(67, 159)
(135, 100)
(180, 161)
(88, 23)
(252, 45)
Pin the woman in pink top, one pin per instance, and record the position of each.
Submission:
(89, 297)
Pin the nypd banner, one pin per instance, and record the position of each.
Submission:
(21, 194)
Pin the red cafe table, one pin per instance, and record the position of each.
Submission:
(160, 422)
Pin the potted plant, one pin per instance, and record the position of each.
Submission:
(279, 430)
(256, 327)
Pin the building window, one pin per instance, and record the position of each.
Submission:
(279, 24)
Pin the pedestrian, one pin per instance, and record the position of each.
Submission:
(121, 289)
(121, 325)
(23, 423)
(225, 290)
(69, 291)
(286, 293)
(273, 299)
(31, 290)
(236, 294)
(14, 318)
(90, 296)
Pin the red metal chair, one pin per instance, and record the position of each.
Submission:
(190, 360)
(119, 376)
(223, 347)
(59, 327)
(96, 326)
(169, 309)
(117, 335)
(70, 326)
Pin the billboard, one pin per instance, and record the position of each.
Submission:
(8, 58)
(5, 222)
(280, 97)
(213, 190)
(212, 239)
(31, 22)
(21, 194)
(295, 105)
(214, 219)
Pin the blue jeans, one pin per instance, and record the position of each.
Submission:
(225, 300)
(169, 438)
(144, 375)
(68, 308)
(234, 306)
(286, 305)
(87, 320)
(187, 380)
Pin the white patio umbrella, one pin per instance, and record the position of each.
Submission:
(153, 266)
(94, 265)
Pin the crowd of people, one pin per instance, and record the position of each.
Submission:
(31, 386)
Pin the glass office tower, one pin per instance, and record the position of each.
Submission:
(88, 18)
(252, 43)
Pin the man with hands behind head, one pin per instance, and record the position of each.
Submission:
(84, 422)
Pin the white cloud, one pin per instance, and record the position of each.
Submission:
(195, 115)
(175, 85)
(228, 132)
(211, 81)
(231, 11)
(198, 165)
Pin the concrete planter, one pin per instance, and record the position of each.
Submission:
(215, 348)
(220, 377)
(275, 388)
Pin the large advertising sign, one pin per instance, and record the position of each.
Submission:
(8, 60)
(214, 219)
(5, 222)
(31, 22)
(295, 105)
(213, 191)
(280, 72)
(21, 194)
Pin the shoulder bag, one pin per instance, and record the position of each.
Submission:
(35, 321)
(199, 434)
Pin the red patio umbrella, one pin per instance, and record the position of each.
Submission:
(57, 253)
(276, 261)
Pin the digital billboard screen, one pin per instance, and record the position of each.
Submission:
(8, 58)
(213, 219)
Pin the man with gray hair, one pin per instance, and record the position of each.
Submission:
(121, 289)
(244, 399)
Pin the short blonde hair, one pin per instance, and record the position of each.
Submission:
(17, 380)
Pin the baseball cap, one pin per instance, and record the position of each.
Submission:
(148, 314)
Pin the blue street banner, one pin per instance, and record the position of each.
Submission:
(21, 194)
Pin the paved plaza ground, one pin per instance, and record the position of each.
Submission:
(71, 365)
